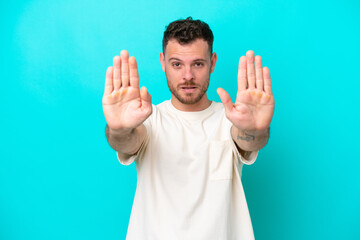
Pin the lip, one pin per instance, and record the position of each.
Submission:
(188, 89)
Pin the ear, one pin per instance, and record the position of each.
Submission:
(162, 61)
(213, 62)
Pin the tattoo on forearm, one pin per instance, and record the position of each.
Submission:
(247, 137)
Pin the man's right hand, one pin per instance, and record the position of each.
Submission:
(125, 106)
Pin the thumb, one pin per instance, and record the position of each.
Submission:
(145, 96)
(225, 99)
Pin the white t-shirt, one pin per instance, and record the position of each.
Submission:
(189, 178)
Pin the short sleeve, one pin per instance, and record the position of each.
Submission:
(126, 159)
(247, 161)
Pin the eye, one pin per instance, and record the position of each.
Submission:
(176, 64)
(199, 64)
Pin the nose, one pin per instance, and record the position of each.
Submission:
(188, 74)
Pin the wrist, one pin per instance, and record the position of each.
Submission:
(121, 131)
(116, 133)
(250, 140)
(250, 133)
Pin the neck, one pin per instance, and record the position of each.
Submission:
(199, 106)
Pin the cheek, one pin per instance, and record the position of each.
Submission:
(172, 74)
(203, 74)
(171, 79)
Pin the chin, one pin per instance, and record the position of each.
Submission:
(189, 100)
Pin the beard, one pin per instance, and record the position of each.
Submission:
(189, 98)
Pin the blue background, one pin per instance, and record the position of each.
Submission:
(59, 179)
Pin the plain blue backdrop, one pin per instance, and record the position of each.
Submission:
(59, 179)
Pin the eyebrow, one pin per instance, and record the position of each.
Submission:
(195, 60)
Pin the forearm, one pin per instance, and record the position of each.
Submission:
(248, 141)
(126, 141)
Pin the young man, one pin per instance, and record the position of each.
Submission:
(189, 151)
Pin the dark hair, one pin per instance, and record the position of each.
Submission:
(188, 30)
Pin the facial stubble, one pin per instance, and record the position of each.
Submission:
(189, 97)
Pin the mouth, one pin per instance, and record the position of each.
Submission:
(188, 89)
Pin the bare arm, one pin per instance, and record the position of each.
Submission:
(126, 141)
(125, 106)
(248, 141)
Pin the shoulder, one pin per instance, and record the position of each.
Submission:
(217, 110)
(218, 115)
(158, 110)
(162, 106)
(218, 107)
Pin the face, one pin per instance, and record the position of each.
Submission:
(188, 68)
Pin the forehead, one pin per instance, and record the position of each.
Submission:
(196, 49)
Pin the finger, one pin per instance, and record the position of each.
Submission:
(250, 69)
(124, 68)
(267, 81)
(116, 73)
(242, 82)
(109, 87)
(225, 99)
(259, 73)
(145, 99)
(145, 96)
(134, 74)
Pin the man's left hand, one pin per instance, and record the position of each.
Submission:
(254, 105)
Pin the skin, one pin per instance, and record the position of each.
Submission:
(125, 106)
(187, 68)
(253, 109)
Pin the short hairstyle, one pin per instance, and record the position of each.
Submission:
(186, 31)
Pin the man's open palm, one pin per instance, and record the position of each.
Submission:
(125, 106)
(254, 105)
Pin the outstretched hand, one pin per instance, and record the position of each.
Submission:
(125, 106)
(254, 105)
